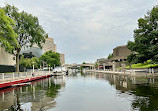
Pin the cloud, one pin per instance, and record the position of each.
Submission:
(87, 29)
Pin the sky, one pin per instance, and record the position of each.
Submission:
(86, 30)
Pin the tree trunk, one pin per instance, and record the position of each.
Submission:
(17, 60)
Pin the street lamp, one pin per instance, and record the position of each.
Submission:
(49, 68)
(33, 67)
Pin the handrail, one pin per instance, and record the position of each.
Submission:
(16, 75)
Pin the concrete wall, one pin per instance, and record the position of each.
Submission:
(6, 58)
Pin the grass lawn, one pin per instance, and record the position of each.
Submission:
(146, 64)
(143, 65)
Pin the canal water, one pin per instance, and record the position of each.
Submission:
(84, 92)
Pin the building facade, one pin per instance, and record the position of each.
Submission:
(6, 58)
(119, 58)
(62, 59)
(49, 45)
(104, 63)
(120, 54)
(7, 61)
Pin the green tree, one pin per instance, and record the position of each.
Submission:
(28, 29)
(145, 38)
(7, 34)
(28, 62)
(84, 63)
(96, 65)
(110, 56)
(51, 58)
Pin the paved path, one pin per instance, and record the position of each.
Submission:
(123, 73)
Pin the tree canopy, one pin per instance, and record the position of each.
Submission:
(28, 29)
(145, 44)
(28, 62)
(51, 58)
(110, 55)
(7, 34)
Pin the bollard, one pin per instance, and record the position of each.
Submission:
(3, 95)
(152, 70)
(134, 71)
(149, 70)
(13, 75)
(26, 74)
(2, 76)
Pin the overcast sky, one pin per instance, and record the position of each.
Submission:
(85, 30)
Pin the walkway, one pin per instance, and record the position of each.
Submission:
(8, 79)
(123, 73)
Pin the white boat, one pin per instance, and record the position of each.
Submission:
(63, 69)
(57, 70)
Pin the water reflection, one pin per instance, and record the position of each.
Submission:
(37, 96)
(143, 89)
(92, 91)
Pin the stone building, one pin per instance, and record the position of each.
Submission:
(104, 63)
(49, 45)
(120, 54)
(62, 59)
(8, 61)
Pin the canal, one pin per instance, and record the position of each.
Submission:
(86, 92)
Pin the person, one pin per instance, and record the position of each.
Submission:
(33, 74)
(67, 72)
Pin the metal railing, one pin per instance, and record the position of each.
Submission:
(131, 71)
(16, 75)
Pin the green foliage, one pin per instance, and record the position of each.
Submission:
(146, 64)
(28, 29)
(145, 38)
(84, 63)
(7, 34)
(131, 59)
(110, 56)
(51, 58)
(96, 65)
(28, 62)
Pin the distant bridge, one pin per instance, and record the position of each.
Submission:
(88, 65)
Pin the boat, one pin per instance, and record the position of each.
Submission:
(57, 70)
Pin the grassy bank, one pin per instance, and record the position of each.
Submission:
(146, 64)
(142, 65)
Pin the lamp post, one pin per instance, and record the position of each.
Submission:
(33, 67)
(104, 66)
(49, 69)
